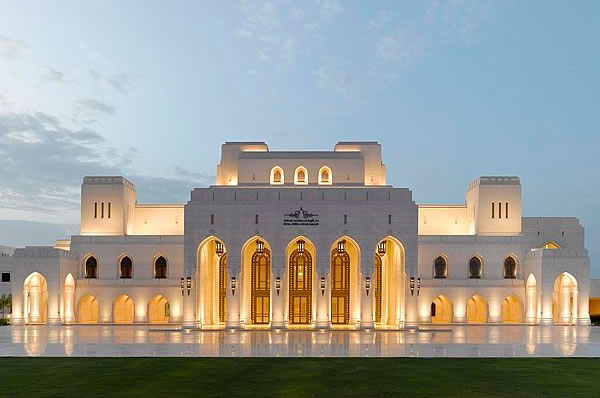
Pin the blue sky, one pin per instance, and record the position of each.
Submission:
(150, 89)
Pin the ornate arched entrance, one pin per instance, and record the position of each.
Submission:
(300, 271)
(511, 310)
(260, 294)
(564, 299)
(35, 292)
(441, 310)
(123, 309)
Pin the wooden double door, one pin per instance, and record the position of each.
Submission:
(261, 287)
(300, 288)
(340, 288)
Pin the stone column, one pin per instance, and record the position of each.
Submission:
(54, 306)
(546, 303)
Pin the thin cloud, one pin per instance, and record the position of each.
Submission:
(11, 48)
(121, 82)
(53, 74)
(97, 106)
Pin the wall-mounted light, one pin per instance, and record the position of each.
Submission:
(219, 248)
(418, 286)
(322, 286)
(412, 285)
(342, 246)
(182, 286)
(368, 284)
(381, 247)
(301, 244)
(277, 284)
(233, 285)
(189, 285)
(260, 246)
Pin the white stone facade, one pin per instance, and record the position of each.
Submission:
(305, 240)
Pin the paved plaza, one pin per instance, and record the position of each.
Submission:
(448, 341)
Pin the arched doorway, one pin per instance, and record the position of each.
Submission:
(123, 309)
(477, 310)
(69, 299)
(300, 279)
(441, 310)
(511, 310)
(344, 279)
(88, 309)
(564, 299)
(260, 297)
(389, 278)
(159, 309)
(35, 292)
(212, 282)
(531, 297)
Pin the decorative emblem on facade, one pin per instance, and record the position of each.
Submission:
(301, 217)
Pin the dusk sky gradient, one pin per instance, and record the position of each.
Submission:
(151, 89)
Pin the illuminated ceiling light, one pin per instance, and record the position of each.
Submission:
(341, 246)
(219, 248)
(381, 247)
(260, 246)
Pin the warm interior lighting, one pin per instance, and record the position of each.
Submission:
(381, 247)
(219, 248)
(341, 246)
(189, 285)
(301, 244)
(260, 246)
(418, 286)
(367, 284)
(412, 285)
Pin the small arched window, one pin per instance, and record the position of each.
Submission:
(433, 309)
(160, 268)
(277, 177)
(440, 268)
(325, 176)
(475, 268)
(91, 268)
(126, 267)
(301, 176)
(510, 268)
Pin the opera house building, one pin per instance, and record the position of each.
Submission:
(308, 240)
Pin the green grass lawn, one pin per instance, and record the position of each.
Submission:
(275, 377)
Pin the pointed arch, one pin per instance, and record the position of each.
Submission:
(160, 266)
(88, 309)
(440, 266)
(35, 294)
(299, 281)
(159, 309)
(564, 299)
(390, 281)
(531, 297)
(277, 177)
(256, 281)
(325, 176)
(344, 280)
(69, 298)
(475, 265)
(301, 176)
(211, 274)
(551, 245)
(441, 310)
(123, 309)
(510, 267)
(90, 266)
(125, 266)
(512, 309)
(477, 309)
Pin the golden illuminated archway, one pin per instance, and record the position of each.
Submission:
(388, 282)
(300, 271)
(211, 279)
(69, 299)
(564, 299)
(159, 309)
(123, 309)
(477, 310)
(344, 281)
(35, 292)
(88, 309)
(441, 310)
(260, 298)
(512, 310)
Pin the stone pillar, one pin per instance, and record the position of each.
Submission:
(278, 302)
(233, 302)
(69, 313)
(366, 313)
(531, 307)
(54, 306)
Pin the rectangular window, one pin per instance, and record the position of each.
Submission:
(506, 212)
(95, 209)
(102, 210)
(493, 210)
(212, 218)
(499, 209)
(345, 219)
(256, 219)
(6, 277)
(108, 209)
(389, 218)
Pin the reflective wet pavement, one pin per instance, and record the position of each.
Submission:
(448, 341)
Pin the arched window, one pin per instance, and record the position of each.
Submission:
(475, 268)
(160, 268)
(277, 177)
(126, 267)
(301, 176)
(91, 268)
(433, 308)
(510, 268)
(440, 268)
(325, 176)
